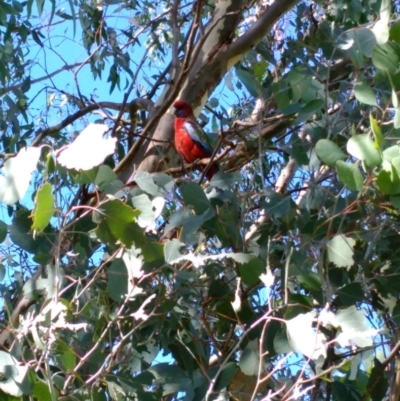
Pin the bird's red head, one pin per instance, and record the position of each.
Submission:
(183, 109)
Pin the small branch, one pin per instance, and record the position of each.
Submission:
(43, 133)
(373, 381)
(204, 172)
(37, 80)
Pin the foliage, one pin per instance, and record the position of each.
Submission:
(125, 275)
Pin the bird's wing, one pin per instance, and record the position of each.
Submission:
(199, 137)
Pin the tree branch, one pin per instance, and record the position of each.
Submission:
(260, 28)
(43, 133)
(373, 381)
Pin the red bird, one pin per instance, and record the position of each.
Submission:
(190, 140)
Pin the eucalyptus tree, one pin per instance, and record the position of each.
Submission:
(125, 274)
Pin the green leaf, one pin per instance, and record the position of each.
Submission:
(2, 272)
(328, 152)
(171, 377)
(363, 148)
(351, 45)
(152, 250)
(105, 176)
(365, 94)
(3, 231)
(311, 281)
(146, 183)
(44, 285)
(250, 358)
(44, 208)
(14, 381)
(340, 251)
(281, 343)
(376, 129)
(386, 57)
(85, 176)
(345, 392)
(40, 4)
(388, 180)
(396, 121)
(41, 391)
(302, 337)
(249, 81)
(119, 218)
(390, 153)
(194, 195)
(213, 103)
(396, 314)
(381, 32)
(20, 234)
(277, 205)
(183, 355)
(365, 40)
(394, 32)
(64, 355)
(349, 174)
(172, 251)
(385, 11)
(228, 81)
(146, 218)
(312, 107)
(117, 280)
(282, 94)
(250, 272)
(228, 225)
(225, 376)
(379, 382)
(395, 201)
(351, 294)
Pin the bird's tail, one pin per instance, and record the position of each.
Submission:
(213, 169)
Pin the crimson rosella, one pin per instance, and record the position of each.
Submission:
(190, 140)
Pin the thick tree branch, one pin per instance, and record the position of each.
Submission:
(260, 28)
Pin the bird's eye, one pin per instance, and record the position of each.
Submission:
(179, 113)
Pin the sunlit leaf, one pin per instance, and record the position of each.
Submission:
(120, 220)
(303, 338)
(365, 94)
(44, 208)
(17, 174)
(349, 174)
(88, 150)
(14, 380)
(385, 57)
(340, 250)
(329, 152)
(355, 327)
(376, 129)
(381, 31)
(250, 358)
(362, 147)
